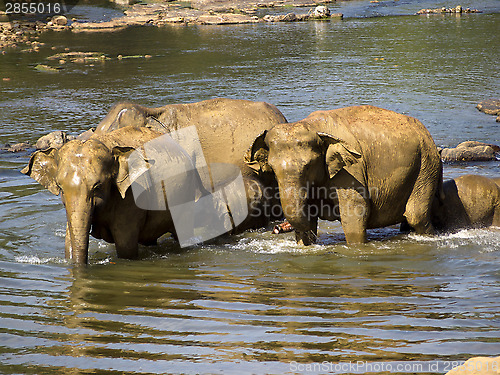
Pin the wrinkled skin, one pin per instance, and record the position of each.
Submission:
(226, 128)
(92, 175)
(470, 201)
(365, 166)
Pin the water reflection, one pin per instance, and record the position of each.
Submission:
(203, 306)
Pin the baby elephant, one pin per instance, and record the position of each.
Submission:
(471, 201)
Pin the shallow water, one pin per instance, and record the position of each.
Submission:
(255, 303)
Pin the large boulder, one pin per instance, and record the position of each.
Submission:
(55, 139)
(471, 151)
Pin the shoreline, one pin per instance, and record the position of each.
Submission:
(26, 30)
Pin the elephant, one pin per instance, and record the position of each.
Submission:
(226, 128)
(470, 201)
(365, 166)
(94, 179)
(95, 183)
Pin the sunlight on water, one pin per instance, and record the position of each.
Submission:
(37, 260)
(487, 239)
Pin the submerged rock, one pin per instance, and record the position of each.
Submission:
(47, 68)
(18, 147)
(79, 57)
(489, 106)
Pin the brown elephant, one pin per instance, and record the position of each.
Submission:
(470, 201)
(365, 166)
(92, 175)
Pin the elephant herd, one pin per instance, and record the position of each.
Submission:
(365, 166)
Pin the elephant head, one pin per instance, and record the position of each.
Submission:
(302, 160)
(85, 173)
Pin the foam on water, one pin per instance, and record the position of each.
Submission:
(487, 238)
(277, 244)
(33, 259)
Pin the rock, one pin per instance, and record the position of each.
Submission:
(476, 143)
(470, 151)
(224, 19)
(46, 68)
(59, 21)
(478, 366)
(289, 17)
(321, 11)
(55, 139)
(79, 57)
(457, 10)
(490, 106)
(121, 2)
(18, 147)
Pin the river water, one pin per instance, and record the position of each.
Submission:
(254, 303)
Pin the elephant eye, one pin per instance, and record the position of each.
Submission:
(97, 186)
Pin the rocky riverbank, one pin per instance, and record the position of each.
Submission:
(194, 12)
(25, 31)
(14, 34)
(456, 10)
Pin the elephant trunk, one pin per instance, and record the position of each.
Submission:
(78, 213)
(294, 201)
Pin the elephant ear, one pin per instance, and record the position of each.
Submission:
(130, 166)
(42, 167)
(338, 154)
(256, 155)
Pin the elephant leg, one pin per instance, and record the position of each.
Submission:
(418, 208)
(125, 228)
(354, 212)
(127, 245)
(496, 217)
(308, 237)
